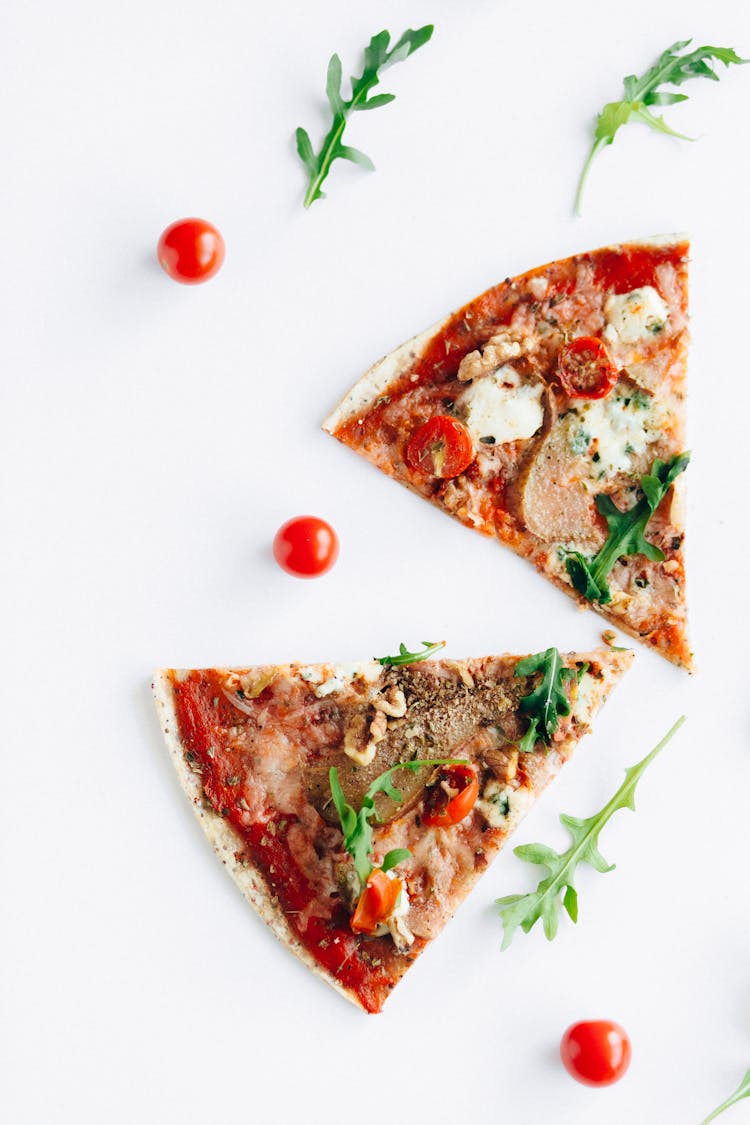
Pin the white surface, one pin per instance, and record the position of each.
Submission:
(153, 437)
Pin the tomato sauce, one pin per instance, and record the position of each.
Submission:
(367, 967)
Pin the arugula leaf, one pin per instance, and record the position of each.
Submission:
(377, 59)
(672, 68)
(406, 657)
(742, 1091)
(544, 902)
(356, 827)
(626, 531)
(548, 701)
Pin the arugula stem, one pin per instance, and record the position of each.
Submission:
(596, 148)
(332, 140)
(743, 1091)
(613, 805)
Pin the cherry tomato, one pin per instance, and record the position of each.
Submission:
(376, 902)
(441, 810)
(191, 251)
(441, 447)
(585, 369)
(595, 1052)
(306, 546)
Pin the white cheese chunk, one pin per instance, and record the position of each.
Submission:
(613, 430)
(500, 406)
(635, 315)
(334, 677)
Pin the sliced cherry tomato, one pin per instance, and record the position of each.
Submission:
(441, 447)
(595, 1052)
(585, 369)
(306, 546)
(191, 251)
(376, 903)
(441, 810)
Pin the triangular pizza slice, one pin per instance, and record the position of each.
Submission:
(550, 412)
(356, 805)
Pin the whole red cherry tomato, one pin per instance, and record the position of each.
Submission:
(441, 810)
(441, 447)
(191, 251)
(585, 369)
(376, 902)
(306, 546)
(595, 1052)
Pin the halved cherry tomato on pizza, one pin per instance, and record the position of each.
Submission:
(585, 368)
(595, 1052)
(377, 901)
(441, 448)
(191, 251)
(452, 797)
(306, 546)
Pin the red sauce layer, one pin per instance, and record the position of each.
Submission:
(365, 967)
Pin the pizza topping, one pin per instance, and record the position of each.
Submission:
(406, 657)
(612, 431)
(451, 797)
(671, 68)
(633, 316)
(496, 802)
(548, 702)
(377, 901)
(335, 677)
(393, 703)
(585, 369)
(441, 447)
(544, 902)
(499, 349)
(503, 407)
(626, 531)
(356, 826)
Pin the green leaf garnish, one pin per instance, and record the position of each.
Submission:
(544, 902)
(406, 657)
(548, 701)
(671, 68)
(626, 531)
(742, 1091)
(377, 59)
(356, 826)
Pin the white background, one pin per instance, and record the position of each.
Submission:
(154, 436)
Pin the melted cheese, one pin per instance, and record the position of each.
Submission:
(330, 678)
(612, 430)
(501, 407)
(635, 315)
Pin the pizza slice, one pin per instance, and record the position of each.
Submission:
(355, 806)
(550, 413)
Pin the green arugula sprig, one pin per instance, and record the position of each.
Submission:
(377, 59)
(548, 701)
(626, 531)
(671, 68)
(544, 902)
(406, 657)
(742, 1091)
(356, 826)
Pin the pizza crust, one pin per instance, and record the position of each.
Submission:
(226, 842)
